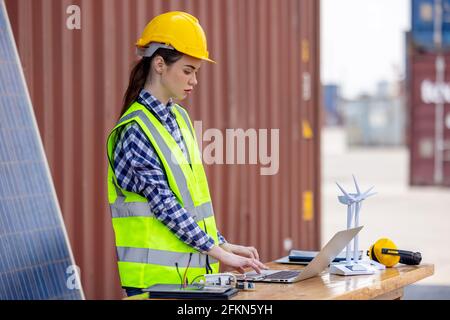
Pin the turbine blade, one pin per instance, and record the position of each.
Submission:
(343, 191)
(356, 185)
(371, 194)
(365, 194)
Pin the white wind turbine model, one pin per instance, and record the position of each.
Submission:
(355, 266)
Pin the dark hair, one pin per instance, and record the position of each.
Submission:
(140, 72)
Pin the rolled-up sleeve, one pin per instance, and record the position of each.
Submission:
(221, 238)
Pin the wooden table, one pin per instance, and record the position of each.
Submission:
(386, 284)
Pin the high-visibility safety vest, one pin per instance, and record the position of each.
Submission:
(147, 251)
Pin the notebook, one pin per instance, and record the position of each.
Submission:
(193, 291)
(304, 257)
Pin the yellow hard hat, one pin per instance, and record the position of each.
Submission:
(386, 259)
(178, 30)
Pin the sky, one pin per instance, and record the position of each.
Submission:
(362, 43)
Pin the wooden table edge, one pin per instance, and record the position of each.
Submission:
(394, 285)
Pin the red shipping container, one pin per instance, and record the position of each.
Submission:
(423, 94)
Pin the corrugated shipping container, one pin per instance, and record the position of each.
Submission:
(423, 92)
(422, 23)
(267, 77)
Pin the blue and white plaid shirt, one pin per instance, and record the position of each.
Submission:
(139, 170)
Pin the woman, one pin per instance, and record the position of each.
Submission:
(162, 213)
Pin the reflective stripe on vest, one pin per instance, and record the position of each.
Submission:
(121, 209)
(186, 120)
(162, 258)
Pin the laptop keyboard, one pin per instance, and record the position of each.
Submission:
(283, 275)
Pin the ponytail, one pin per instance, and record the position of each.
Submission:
(140, 73)
(138, 77)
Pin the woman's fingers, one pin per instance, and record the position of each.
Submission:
(240, 263)
(254, 265)
(244, 252)
(260, 265)
(250, 253)
(240, 270)
(255, 252)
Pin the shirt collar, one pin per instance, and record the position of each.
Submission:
(153, 104)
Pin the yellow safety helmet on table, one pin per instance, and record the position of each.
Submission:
(174, 30)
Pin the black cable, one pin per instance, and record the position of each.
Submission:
(179, 274)
(185, 271)
(208, 266)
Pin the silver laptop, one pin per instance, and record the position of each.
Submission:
(316, 266)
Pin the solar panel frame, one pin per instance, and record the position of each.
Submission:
(35, 253)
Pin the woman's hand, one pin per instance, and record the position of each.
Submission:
(236, 261)
(249, 252)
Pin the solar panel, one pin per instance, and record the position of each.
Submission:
(36, 261)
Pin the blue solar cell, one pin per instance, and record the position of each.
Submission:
(34, 251)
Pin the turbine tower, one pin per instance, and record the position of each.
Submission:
(354, 203)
